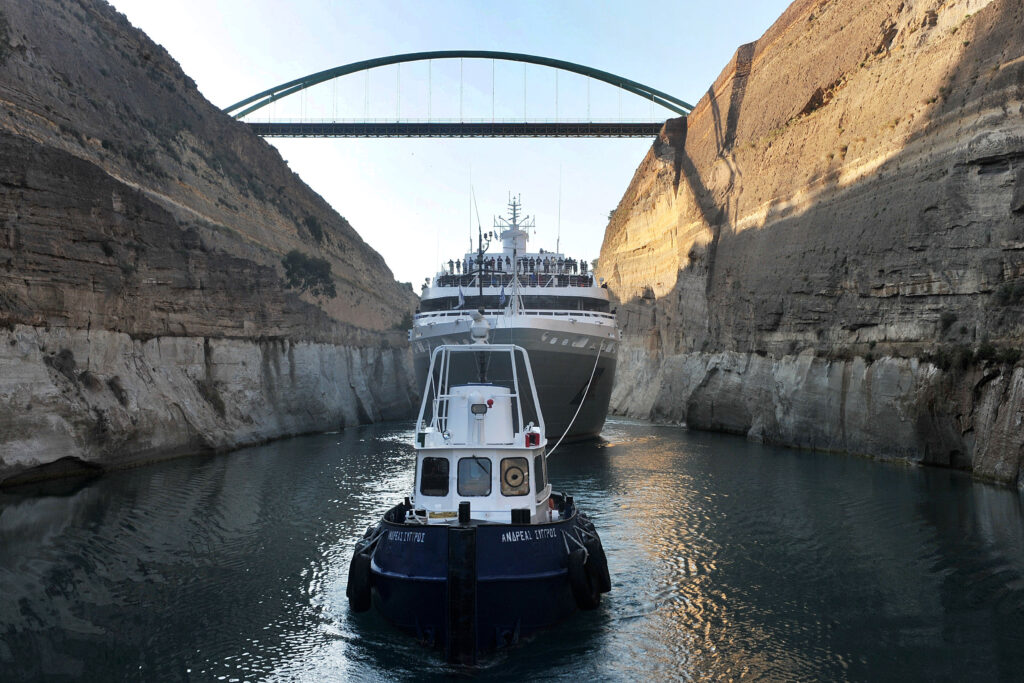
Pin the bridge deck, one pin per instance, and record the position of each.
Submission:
(456, 130)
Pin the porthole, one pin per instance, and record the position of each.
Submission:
(515, 477)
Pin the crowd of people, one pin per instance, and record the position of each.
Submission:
(524, 264)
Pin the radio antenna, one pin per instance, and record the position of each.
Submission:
(558, 239)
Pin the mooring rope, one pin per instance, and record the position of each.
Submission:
(582, 400)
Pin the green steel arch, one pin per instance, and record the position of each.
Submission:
(264, 98)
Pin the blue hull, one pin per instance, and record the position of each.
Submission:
(521, 581)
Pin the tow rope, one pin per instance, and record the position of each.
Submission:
(584, 398)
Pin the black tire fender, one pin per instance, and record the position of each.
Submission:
(597, 565)
(582, 581)
(358, 589)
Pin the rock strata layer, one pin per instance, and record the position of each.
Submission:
(143, 308)
(829, 252)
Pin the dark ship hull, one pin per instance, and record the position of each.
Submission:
(473, 588)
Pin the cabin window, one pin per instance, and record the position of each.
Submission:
(493, 302)
(540, 472)
(434, 477)
(474, 476)
(515, 476)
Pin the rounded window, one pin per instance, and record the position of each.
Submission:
(515, 477)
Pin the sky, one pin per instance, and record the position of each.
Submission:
(416, 201)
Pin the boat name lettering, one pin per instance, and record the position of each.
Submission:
(407, 536)
(527, 535)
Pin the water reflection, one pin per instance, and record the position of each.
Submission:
(728, 559)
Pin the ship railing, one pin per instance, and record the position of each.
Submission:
(503, 279)
(552, 313)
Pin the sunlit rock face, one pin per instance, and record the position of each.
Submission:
(142, 307)
(829, 252)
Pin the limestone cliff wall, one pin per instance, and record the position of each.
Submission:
(829, 252)
(105, 399)
(143, 308)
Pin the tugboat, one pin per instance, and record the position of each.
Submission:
(484, 552)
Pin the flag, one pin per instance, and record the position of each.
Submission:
(501, 299)
(462, 299)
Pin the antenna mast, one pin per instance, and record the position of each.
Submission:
(512, 233)
(558, 239)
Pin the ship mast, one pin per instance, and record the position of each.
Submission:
(513, 238)
(480, 249)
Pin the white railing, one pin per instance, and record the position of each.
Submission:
(497, 278)
(555, 313)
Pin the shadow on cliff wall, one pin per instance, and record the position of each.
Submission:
(834, 296)
(816, 276)
(638, 312)
(714, 215)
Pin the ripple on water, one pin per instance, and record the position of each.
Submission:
(728, 560)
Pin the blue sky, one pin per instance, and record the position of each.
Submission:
(410, 199)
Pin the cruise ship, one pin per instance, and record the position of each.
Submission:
(540, 300)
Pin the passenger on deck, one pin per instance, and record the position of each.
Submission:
(457, 266)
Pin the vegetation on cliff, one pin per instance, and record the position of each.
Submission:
(308, 274)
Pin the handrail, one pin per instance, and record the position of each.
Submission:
(501, 312)
(500, 278)
(442, 392)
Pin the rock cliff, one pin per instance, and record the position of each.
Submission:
(829, 252)
(143, 309)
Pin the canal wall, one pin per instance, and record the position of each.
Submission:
(145, 305)
(829, 252)
(890, 408)
(86, 399)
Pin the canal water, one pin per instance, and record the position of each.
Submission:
(728, 560)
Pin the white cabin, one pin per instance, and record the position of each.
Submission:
(479, 439)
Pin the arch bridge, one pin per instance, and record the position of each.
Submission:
(483, 128)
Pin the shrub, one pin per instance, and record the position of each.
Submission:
(1008, 355)
(946, 320)
(313, 226)
(308, 274)
(5, 38)
(405, 323)
(957, 357)
(986, 351)
(1009, 293)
